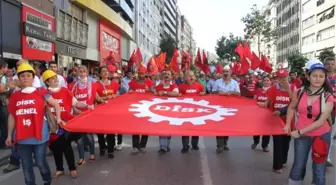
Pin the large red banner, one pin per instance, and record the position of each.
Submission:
(148, 114)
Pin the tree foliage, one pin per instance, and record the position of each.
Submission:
(226, 46)
(257, 25)
(327, 52)
(296, 63)
(168, 45)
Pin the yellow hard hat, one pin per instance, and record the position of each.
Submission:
(25, 67)
(48, 74)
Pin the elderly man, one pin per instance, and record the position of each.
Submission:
(225, 86)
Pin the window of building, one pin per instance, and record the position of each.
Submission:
(308, 22)
(326, 33)
(310, 39)
(328, 14)
(309, 5)
(319, 2)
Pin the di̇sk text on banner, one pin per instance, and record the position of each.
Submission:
(148, 114)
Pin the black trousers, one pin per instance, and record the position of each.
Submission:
(281, 145)
(63, 146)
(186, 139)
(222, 140)
(119, 138)
(139, 141)
(264, 141)
(110, 140)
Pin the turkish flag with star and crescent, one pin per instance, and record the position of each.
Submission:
(148, 114)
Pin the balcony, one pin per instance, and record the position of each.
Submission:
(130, 3)
(121, 6)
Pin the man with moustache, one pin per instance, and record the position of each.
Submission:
(139, 85)
(166, 88)
(190, 87)
(225, 87)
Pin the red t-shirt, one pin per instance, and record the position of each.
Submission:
(85, 95)
(106, 90)
(251, 87)
(194, 89)
(297, 82)
(162, 87)
(64, 98)
(278, 98)
(260, 95)
(135, 86)
(28, 113)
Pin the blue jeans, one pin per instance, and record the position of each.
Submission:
(26, 153)
(14, 158)
(164, 142)
(80, 145)
(302, 147)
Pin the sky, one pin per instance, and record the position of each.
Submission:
(210, 19)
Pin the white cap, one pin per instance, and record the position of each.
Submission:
(255, 73)
(118, 71)
(311, 62)
(227, 67)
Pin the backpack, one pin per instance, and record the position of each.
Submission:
(323, 100)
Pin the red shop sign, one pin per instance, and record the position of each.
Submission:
(109, 41)
(34, 48)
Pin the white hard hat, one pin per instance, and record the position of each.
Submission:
(311, 62)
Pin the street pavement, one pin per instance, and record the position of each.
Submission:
(239, 166)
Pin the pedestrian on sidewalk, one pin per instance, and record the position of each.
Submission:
(27, 125)
(312, 106)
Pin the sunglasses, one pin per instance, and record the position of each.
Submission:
(310, 114)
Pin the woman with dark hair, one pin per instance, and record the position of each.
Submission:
(313, 105)
(106, 90)
(27, 125)
(261, 97)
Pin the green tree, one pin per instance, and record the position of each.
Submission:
(168, 45)
(327, 52)
(257, 25)
(192, 66)
(296, 63)
(226, 46)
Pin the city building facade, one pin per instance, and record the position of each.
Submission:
(288, 24)
(148, 26)
(318, 27)
(169, 18)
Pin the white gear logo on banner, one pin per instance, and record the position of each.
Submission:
(143, 110)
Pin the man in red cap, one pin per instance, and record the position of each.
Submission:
(279, 96)
(140, 85)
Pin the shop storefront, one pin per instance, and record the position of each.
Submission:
(10, 31)
(72, 40)
(38, 39)
(109, 43)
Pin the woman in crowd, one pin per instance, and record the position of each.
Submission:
(313, 104)
(26, 121)
(116, 78)
(279, 96)
(106, 89)
(84, 91)
(60, 143)
(261, 97)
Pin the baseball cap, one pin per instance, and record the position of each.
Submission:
(317, 66)
(311, 62)
(282, 73)
(319, 150)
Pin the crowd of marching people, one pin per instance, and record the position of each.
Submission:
(33, 100)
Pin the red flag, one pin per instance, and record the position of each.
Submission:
(161, 61)
(247, 52)
(152, 68)
(205, 66)
(139, 57)
(186, 59)
(147, 114)
(265, 65)
(132, 61)
(198, 60)
(174, 61)
(240, 51)
(255, 62)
